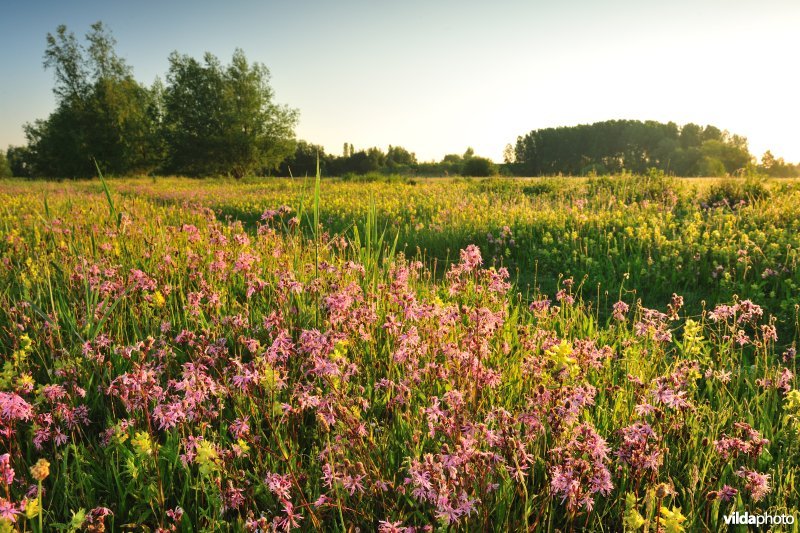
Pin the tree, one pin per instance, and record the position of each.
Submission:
(478, 166)
(102, 112)
(397, 156)
(304, 160)
(509, 156)
(767, 160)
(5, 168)
(223, 120)
(18, 158)
(630, 145)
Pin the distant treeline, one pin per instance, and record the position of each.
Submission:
(212, 119)
(633, 146)
(630, 145)
(395, 160)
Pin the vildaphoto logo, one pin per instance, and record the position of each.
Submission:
(742, 519)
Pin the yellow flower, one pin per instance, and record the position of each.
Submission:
(673, 520)
(41, 470)
(158, 299)
(25, 380)
(143, 444)
(32, 508)
(632, 519)
(243, 446)
(207, 457)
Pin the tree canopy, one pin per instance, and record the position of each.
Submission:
(102, 113)
(222, 119)
(208, 119)
(630, 145)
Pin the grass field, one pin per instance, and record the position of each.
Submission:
(546, 354)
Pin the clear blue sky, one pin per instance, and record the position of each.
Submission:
(438, 76)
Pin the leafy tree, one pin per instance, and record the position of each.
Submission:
(223, 120)
(102, 113)
(5, 168)
(478, 166)
(509, 155)
(397, 156)
(18, 158)
(629, 145)
(304, 160)
(767, 160)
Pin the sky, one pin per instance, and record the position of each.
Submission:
(437, 77)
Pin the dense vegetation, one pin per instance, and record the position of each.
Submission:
(618, 145)
(211, 119)
(208, 119)
(193, 356)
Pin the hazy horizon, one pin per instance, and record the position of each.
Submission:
(436, 78)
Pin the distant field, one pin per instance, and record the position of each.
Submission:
(543, 354)
(653, 236)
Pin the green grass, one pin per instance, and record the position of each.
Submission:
(149, 319)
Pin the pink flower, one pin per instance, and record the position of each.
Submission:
(755, 483)
(471, 258)
(620, 308)
(279, 485)
(727, 493)
(8, 510)
(640, 448)
(580, 469)
(6, 472)
(13, 407)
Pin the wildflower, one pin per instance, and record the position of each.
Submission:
(143, 444)
(541, 306)
(564, 297)
(232, 497)
(207, 457)
(384, 526)
(471, 258)
(769, 333)
(14, 407)
(291, 520)
(279, 485)
(32, 508)
(240, 427)
(675, 306)
(580, 469)
(672, 520)
(749, 442)
(755, 483)
(8, 511)
(620, 309)
(639, 448)
(158, 299)
(6, 472)
(727, 493)
(41, 470)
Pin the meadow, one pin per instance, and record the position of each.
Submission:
(395, 354)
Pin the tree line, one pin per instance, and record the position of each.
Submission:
(630, 145)
(206, 119)
(395, 160)
(209, 118)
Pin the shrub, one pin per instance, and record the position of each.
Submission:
(478, 167)
(736, 192)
